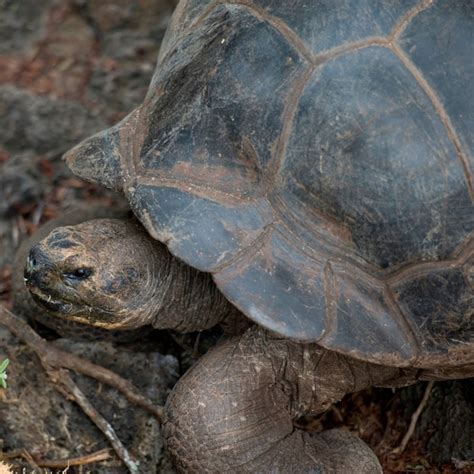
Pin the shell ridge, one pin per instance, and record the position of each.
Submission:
(289, 114)
(440, 110)
(296, 42)
(408, 327)
(409, 271)
(330, 296)
(239, 259)
(406, 19)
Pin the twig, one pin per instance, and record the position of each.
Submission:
(98, 456)
(17, 453)
(29, 459)
(462, 464)
(414, 419)
(62, 377)
(55, 361)
(22, 453)
(53, 358)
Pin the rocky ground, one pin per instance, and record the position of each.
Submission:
(68, 69)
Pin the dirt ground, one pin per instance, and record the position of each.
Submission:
(69, 68)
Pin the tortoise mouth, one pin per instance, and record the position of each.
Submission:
(84, 314)
(48, 302)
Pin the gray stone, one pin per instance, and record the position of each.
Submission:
(42, 123)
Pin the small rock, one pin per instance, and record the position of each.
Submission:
(44, 124)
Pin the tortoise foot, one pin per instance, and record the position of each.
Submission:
(234, 410)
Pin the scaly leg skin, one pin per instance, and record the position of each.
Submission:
(234, 410)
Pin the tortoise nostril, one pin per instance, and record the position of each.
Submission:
(37, 271)
(36, 259)
(31, 261)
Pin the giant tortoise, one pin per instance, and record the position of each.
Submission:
(306, 165)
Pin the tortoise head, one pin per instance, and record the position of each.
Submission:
(101, 272)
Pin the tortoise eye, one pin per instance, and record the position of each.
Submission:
(79, 274)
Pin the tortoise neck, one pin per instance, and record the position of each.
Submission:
(185, 299)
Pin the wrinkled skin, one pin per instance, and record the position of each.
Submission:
(238, 404)
(234, 410)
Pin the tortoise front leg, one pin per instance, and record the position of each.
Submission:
(234, 410)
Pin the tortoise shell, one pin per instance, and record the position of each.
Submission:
(316, 158)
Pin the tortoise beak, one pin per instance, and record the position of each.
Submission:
(39, 278)
(37, 268)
